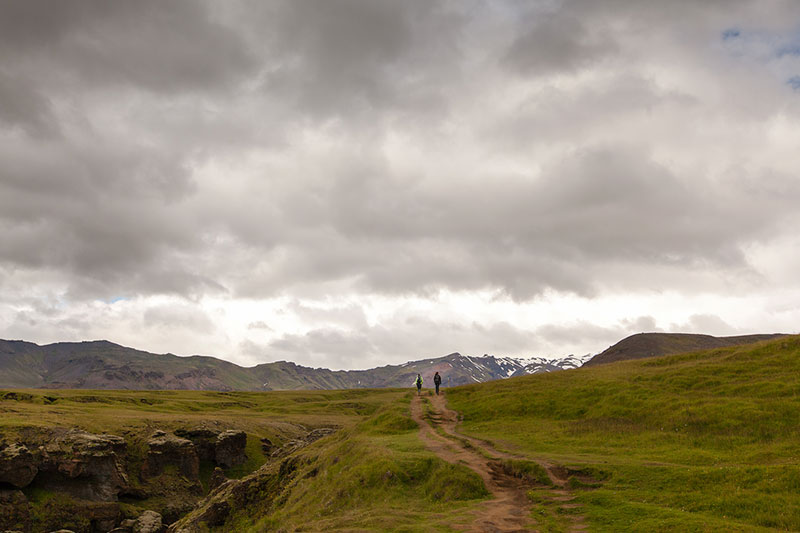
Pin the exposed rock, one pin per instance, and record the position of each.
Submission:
(148, 522)
(216, 513)
(230, 448)
(104, 515)
(260, 489)
(204, 440)
(294, 445)
(173, 511)
(14, 511)
(165, 449)
(126, 526)
(318, 433)
(217, 479)
(17, 465)
(267, 446)
(85, 465)
(85, 441)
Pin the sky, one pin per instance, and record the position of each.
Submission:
(354, 183)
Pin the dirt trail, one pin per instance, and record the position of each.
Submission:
(510, 508)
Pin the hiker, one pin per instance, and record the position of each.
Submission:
(418, 382)
(437, 380)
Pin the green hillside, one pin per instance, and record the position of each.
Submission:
(706, 441)
(644, 345)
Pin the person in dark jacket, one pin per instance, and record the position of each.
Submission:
(437, 380)
(418, 383)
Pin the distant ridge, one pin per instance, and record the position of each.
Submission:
(644, 345)
(105, 365)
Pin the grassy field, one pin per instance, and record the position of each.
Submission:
(372, 474)
(707, 441)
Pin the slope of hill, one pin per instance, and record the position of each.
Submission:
(644, 345)
(702, 441)
(105, 365)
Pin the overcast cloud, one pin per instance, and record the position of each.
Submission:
(349, 183)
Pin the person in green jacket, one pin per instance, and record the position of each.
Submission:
(418, 383)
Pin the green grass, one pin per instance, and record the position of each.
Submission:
(706, 441)
(530, 471)
(373, 476)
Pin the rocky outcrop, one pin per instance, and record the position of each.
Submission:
(294, 445)
(204, 440)
(230, 448)
(17, 465)
(148, 522)
(223, 448)
(260, 488)
(85, 466)
(267, 446)
(166, 449)
(90, 471)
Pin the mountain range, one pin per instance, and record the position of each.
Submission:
(105, 365)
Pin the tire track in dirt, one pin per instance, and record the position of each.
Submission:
(511, 508)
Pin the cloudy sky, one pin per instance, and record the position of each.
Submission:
(351, 183)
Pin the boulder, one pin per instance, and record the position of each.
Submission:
(17, 465)
(15, 512)
(165, 449)
(148, 522)
(230, 448)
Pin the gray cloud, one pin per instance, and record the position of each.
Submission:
(556, 42)
(149, 46)
(411, 338)
(348, 57)
(338, 150)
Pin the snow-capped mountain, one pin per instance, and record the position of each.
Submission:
(104, 365)
(457, 369)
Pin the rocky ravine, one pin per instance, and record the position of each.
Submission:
(91, 483)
